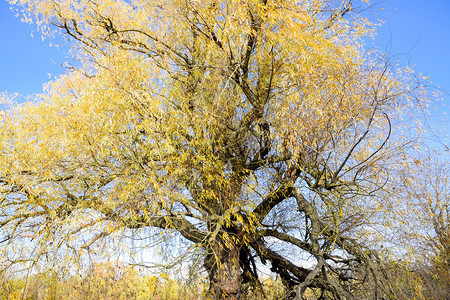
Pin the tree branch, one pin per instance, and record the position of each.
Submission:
(180, 224)
(284, 191)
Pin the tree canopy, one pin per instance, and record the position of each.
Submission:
(260, 131)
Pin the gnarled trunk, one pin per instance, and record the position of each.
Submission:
(222, 264)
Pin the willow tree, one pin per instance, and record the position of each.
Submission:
(260, 131)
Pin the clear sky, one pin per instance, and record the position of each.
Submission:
(25, 60)
(421, 29)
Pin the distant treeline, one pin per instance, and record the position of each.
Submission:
(115, 281)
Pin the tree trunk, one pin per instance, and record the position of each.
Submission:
(222, 264)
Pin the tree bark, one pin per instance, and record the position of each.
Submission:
(222, 264)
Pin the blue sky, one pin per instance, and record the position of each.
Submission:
(420, 29)
(420, 32)
(25, 61)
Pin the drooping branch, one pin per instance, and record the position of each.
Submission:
(280, 264)
(284, 237)
(178, 223)
(284, 191)
(366, 257)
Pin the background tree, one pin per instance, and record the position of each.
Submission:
(260, 131)
(426, 223)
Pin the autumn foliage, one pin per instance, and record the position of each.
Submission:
(254, 135)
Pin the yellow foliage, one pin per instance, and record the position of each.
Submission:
(208, 118)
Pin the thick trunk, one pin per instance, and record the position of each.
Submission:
(222, 264)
